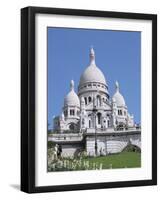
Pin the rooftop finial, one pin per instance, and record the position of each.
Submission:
(71, 85)
(92, 56)
(117, 86)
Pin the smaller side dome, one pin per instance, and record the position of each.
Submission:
(72, 98)
(119, 99)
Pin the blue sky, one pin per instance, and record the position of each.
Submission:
(117, 55)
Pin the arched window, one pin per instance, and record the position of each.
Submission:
(108, 123)
(85, 99)
(99, 118)
(89, 123)
(65, 113)
(72, 112)
(119, 112)
(98, 100)
(89, 99)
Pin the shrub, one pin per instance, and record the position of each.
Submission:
(132, 148)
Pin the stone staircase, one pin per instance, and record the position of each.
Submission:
(116, 146)
(108, 147)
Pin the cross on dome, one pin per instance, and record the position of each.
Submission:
(92, 56)
(117, 86)
(71, 85)
(92, 50)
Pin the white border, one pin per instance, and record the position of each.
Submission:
(62, 178)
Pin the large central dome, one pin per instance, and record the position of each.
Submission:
(92, 73)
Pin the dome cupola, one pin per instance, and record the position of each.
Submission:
(92, 79)
(117, 97)
(72, 98)
(92, 73)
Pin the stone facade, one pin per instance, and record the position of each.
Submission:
(92, 110)
(92, 107)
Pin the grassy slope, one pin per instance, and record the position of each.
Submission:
(124, 159)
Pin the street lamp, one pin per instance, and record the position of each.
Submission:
(95, 113)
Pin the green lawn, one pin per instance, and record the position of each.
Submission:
(121, 160)
(113, 161)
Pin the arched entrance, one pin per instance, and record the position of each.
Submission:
(72, 126)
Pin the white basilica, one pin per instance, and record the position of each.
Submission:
(92, 108)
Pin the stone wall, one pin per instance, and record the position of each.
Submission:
(107, 143)
(71, 143)
(71, 149)
(111, 143)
